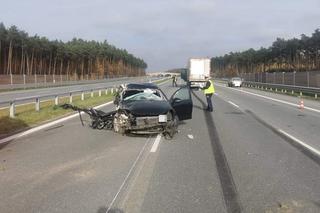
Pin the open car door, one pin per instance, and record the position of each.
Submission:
(182, 103)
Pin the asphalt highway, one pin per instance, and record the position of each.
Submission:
(231, 160)
(21, 94)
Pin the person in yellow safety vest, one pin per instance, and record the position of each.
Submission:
(208, 91)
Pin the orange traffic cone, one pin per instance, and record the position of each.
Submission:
(301, 105)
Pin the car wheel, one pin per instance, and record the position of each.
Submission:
(100, 125)
(172, 126)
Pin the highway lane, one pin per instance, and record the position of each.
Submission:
(300, 123)
(224, 161)
(8, 96)
(66, 169)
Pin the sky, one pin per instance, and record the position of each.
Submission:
(164, 33)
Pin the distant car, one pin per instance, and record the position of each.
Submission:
(235, 82)
(144, 108)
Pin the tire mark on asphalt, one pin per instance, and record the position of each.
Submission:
(228, 186)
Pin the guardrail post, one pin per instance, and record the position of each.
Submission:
(53, 79)
(300, 93)
(12, 109)
(308, 79)
(24, 79)
(99, 92)
(316, 96)
(112, 90)
(56, 100)
(107, 91)
(37, 104)
(91, 93)
(82, 96)
(292, 92)
(70, 97)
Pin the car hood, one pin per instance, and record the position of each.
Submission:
(146, 108)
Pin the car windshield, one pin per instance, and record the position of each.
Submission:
(138, 95)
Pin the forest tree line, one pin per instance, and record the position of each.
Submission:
(30, 55)
(282, 56)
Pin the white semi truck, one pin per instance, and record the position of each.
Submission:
(198, 69)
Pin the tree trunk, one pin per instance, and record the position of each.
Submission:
(31, 63)
(54, 66)
(40, 64)
(22, 61)
(9, 58)
(28, 66)
(68, 70)
(49, 67)
(82, 69)
(61, 64)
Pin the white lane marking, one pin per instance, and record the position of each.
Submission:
(233, 104)
(156, 143)
(274, 99)
(300, 142)
(38, 128)
(127, 177)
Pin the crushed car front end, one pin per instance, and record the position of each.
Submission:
(143, 111)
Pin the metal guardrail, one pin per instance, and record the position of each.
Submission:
(279, 87)
(37, 99)
(284, 88)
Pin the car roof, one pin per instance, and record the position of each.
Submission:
(142, 86)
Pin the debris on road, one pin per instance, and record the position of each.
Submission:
(190, 137)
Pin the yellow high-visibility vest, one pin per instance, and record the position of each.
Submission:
(210, 90)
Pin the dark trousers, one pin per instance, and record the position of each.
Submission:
(208, 96)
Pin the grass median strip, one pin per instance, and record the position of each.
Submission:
(27, 117)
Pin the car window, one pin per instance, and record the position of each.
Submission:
(182, 94)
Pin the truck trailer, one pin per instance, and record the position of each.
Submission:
(198, 69)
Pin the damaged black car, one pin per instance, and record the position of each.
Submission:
(142, 109)
(145, 109)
